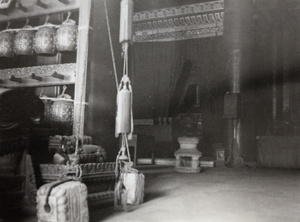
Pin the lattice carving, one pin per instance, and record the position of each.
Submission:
(179, 23)
(179, 11)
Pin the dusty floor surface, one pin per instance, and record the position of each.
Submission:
(214, 195)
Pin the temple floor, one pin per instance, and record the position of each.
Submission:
(215, 194)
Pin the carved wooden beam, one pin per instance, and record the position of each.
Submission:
(179, 23)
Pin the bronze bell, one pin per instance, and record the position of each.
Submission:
(66, 36)
(7, 44)
(24, 41)
(44, 42)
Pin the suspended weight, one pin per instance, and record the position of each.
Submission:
(124, 110)
(126, 21)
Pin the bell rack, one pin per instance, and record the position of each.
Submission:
(38, 76)
(33, 8)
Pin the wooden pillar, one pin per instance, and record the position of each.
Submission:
(236, 70)
(274, 77)
(81, 69)
(277, 74)
(238, 16)
(286, 50)
(233, 42)
(236, 88)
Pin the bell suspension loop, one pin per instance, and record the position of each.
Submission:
(124, 120)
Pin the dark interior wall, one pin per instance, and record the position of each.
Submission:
(101, 84)
(292, 65)
(269, 35)
(154, 69)
(155, 66)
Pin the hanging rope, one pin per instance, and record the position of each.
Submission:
(68, 15)
(125, 50)
(111, 45)
(74, 174)
(71, 175)
(124, 117)
(127, 146)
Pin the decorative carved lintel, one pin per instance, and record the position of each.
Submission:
(179, 23)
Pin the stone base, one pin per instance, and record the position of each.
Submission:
(187, 160)
(220, 163)
(188, 142)
(187, 169)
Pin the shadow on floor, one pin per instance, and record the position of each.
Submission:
(97, 215)
(153, 195)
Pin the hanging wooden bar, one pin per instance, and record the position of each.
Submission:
(21, 7)
(41, 4)
(59, 76)
(66, 2)
(38, 78)
(15, 79)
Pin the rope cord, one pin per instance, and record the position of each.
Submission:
(111, 45)
(125, 50)
(117, 166)
(127, 147)
(55, 184)
(76, 174)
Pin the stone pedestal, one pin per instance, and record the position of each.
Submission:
(187, 157)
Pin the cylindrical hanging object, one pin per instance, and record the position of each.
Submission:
(126, 21)
(123, 119)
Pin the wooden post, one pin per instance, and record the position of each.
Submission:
(238, 18)
(285, 68)
(82, 65)
(277, 75)
(234, 33)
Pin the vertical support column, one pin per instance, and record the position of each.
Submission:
(82, 66)
(274, 76)
(236, 88)
(277, 77)
(237, 27)
(286, 85)
(233, 14)
(236, 70)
